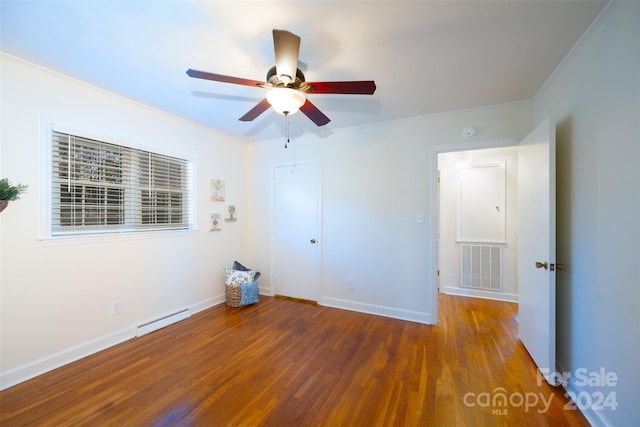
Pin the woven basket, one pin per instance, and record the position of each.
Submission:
(233, 295)
(3, 204)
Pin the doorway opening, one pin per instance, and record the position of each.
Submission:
(536, 241)
(475, 211)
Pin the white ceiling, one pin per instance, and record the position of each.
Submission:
(425, 56)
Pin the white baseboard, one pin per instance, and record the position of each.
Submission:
(476, 293)
(594, 418)
(48, 363)
(413, 316)
(265, 291)
(208, 303)
(56, 360)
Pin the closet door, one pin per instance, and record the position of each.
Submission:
(296, 245)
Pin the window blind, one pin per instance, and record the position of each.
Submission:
(100, 187)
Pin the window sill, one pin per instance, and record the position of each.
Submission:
(84, 239)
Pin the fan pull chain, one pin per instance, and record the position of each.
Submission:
(286, 129)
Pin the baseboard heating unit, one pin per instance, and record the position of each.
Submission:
(160, 323)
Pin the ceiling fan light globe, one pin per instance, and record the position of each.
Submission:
(286, 100)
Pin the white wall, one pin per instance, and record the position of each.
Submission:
(56, 296)
(449, 164)
(595, 100)
(374, 180)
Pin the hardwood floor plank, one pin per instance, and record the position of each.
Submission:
(290, 363)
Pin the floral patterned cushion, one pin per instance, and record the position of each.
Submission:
(238, 266)
(237, 277)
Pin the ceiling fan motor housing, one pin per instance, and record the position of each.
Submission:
(274, 79)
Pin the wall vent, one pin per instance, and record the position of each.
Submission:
(160, 323)
(481, 267)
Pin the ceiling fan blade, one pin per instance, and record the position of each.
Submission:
(221, 78)
(287, 49)
(314, 114)
(260, 108)
(361, 87)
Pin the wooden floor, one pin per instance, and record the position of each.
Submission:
(287, 363)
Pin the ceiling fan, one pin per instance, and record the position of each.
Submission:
(287, 85)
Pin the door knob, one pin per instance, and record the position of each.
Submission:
(541, 265)
(557, 267)
(313, 240)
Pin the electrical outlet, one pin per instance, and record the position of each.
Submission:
(350, 282)
(116, 307)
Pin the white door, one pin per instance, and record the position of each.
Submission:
(296, 218)
(537, 246)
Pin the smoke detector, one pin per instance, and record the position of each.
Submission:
(468, 132)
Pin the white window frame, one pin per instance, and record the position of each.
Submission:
(46, 180)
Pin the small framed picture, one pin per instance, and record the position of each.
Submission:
(217, 190)
(215, 219)
(230, 213)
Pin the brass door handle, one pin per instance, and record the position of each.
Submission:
(552, 266)
(541, 265)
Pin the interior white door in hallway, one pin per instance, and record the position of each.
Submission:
(296, 231)
(537, 265)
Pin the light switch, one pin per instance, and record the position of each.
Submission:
(419, 217)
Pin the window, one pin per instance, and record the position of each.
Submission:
(99, 187)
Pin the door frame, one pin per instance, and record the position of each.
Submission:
(317, 163)
(434, 193)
